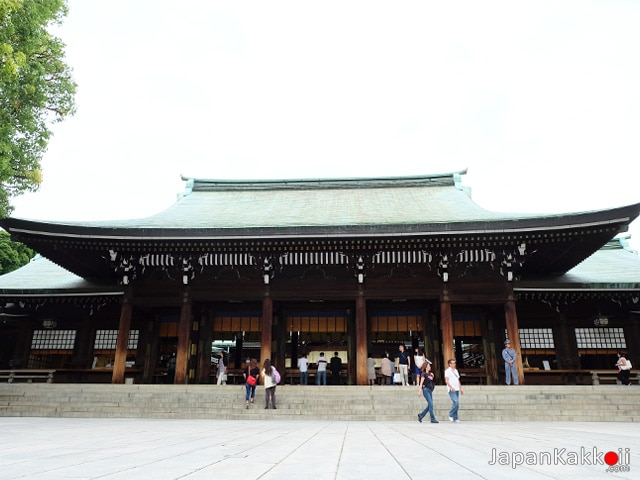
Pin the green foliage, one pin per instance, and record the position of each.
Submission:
(13, 255)
(36, 90)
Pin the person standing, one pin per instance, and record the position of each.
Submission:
(321, 378)
(418, 361)
(269, 383)
(336, 368)
(222, 370)
(171, 369)
(252, 370)
(371, 370)
(403, 364)
(386, 369)
(425, 387)
(509, 357)
(624, 368)
(454, 387)
(303, 366)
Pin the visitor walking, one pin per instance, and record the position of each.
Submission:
(251, 374)
(269, 382)
(426, 387)
(452, 379)
(624, 368)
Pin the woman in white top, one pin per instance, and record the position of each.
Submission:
(624, 367)
(222, 371)
(371, 370)
(418, 361)
(269, 384)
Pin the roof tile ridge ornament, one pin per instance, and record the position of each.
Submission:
(188, 186)
(457, 179)
(620, 243)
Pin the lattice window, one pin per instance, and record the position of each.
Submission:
(600, 338)
(536, 338)
(53, 340)
(108, 339)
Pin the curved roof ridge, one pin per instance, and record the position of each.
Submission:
(436, 179)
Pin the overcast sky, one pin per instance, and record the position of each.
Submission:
(539, 100)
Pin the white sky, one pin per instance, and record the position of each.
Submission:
(539, 100)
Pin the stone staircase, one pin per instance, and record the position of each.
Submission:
(479, 403)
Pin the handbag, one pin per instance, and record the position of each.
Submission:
(251, 380)
(397, 377)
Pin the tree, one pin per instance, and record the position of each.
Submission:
(36, 91)
(13, 255)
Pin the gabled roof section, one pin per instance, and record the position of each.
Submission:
(614, 267)
(41, 276)
(434, 210)
(283, 204)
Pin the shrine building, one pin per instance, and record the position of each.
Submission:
(280, 268)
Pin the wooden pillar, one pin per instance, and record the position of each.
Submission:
(279, 342)
(267, 327)
(148, 348)
(361, 340)
(513, 332)
(184, 338)
(564, 338)
(83, 352)
(631, 329)
(446, 324)
(295, 341)
(204, 348)
(489, 348)
(122, 343)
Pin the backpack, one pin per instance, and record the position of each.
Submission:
(276, 375)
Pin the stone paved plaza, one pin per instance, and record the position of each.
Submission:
(88, 448)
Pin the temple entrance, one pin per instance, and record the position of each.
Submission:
(317, 333)
(474, 348)
(237, 333)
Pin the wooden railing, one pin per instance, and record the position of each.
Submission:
(610, 376)
(28, 375)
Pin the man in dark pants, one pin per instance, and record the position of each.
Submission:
(336, 367)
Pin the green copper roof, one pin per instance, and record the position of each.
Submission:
(242, 204)
(613, 267)
(241, 208)
(43, 276)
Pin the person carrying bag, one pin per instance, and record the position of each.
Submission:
(251, 381)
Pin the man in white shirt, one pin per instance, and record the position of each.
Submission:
(321, 378)
(303, 366)
(452, 379)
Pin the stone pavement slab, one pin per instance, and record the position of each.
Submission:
(88, 448)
